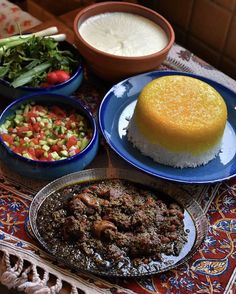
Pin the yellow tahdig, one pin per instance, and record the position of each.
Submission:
(181, 113)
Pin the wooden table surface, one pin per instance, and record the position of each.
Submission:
(69, 17)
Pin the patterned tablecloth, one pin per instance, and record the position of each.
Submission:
(14, 20)
(212, 269)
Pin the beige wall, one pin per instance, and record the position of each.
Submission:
(206, 27)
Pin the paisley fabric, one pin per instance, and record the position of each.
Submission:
(14, 20)
(210, 270)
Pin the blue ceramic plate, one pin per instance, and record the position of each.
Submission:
(118, 106)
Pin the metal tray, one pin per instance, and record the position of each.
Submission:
(195, 221)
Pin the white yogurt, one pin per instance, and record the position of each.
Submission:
(123, 34)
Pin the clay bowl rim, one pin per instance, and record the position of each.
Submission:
(165, 50)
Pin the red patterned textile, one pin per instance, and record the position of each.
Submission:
(14, 20)
(212, 269)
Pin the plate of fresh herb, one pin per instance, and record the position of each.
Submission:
(37, 62)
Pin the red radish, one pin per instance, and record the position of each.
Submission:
(57, 76)
(52, 78)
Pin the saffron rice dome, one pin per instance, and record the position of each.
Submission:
(178, 121)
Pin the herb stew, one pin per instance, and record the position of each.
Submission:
(113, 225)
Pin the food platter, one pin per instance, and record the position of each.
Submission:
(195, 222)
(117, 108)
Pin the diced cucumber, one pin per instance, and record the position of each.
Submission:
(19, 111)
(84, 143)
(52, 141)
(29, 133)
(64, 153)
(72, 153)
(47, 133)
(46, 147)
(55, 155)
(26, 108)
(18, 119)
(42, 142)
(7, 124)
(82, 134)
(27, 155)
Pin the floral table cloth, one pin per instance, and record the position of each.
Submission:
(212, 269)
(14, 20)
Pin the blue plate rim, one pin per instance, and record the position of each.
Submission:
(156, 174)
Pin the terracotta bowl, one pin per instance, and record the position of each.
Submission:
(113, 67)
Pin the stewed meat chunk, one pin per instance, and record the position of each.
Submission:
(116, 223)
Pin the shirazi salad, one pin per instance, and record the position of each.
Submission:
(46, 133)
(36, 60)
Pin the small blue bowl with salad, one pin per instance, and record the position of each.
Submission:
(45, 136)
(39, 62)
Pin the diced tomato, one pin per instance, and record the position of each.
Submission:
(58, 111)
(40, 108)
(57, 122)
(32, 153)
(35, 141)
(49, 157)
(36, 127)
(22, 141)
(56, 148)
(61, 136)
(31, 114)
(39, 152)
(72, 117)
(52, 115)
(7, 138)
(23, 129)
(72, 141)
(44, 158)
(77, 150)
(41, 136)
(18, 149)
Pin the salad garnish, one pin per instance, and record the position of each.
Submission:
(28, 59)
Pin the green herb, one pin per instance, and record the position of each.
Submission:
(28, 59)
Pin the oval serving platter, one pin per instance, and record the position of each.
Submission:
(195, 222)
(117, 108)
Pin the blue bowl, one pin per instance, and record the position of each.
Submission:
(49, 170)
(66, 88)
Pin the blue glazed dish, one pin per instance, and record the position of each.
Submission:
(66, 88)
(118, 106)
(49, 170)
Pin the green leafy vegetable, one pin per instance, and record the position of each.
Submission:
(31, 59)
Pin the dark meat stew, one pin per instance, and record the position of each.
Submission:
(112, 224)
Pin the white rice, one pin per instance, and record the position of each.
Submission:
(167, 157)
